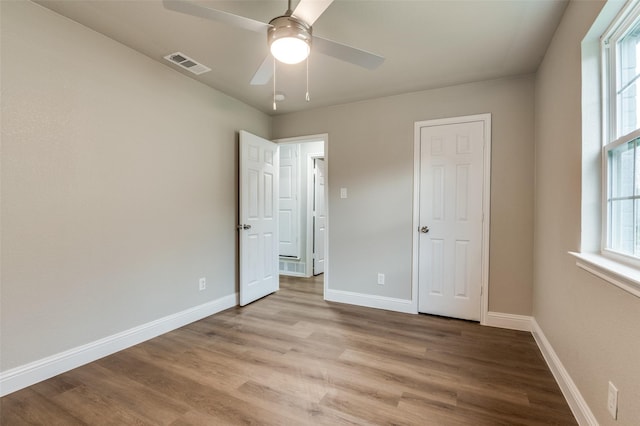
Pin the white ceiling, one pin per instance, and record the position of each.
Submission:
(426, 43)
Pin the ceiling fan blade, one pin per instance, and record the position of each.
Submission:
(194, 9)
(310, 10)
(346, 53)
(264, 73)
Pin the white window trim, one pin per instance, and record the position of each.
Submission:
(606, 251)
(623, 276)
(610, 129)
(606, 265)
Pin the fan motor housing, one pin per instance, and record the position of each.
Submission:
(288, 26)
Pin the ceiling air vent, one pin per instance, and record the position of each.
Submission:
(187, 63)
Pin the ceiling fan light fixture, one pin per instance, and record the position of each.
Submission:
(289, 39)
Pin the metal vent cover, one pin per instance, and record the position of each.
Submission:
(187, 63)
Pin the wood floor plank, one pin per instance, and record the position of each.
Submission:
(294, 359)
(27, 407)
(155, 408)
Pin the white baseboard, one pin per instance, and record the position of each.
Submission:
(371, 301)
(510, 321)
(292, 274)
(574, 398)
(37, 371)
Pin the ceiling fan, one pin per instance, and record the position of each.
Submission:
(289, 36)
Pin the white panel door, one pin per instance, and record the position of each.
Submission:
(258, 217)
(451, 228)
(319, 217)
(289, 211)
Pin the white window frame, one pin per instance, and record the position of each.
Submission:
(610, 120)
(595, 130)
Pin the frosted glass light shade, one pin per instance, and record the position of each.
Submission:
(290, 50)
(289, 39)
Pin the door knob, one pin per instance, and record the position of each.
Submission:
(424, 229)
(244, 226)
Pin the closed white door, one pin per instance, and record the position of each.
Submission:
(289, 212)
(451, 219)
(258, 217)
(319, 218)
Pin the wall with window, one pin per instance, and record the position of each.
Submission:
(593, 326)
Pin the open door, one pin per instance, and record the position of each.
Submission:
(258, 221)
(319, 217)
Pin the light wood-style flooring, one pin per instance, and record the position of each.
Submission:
(294, 359)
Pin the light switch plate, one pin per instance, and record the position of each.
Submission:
(343, 192)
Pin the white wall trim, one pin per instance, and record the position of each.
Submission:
(510, 321)
(293, 274)
(371, 301)
(607, 268)
(45, 368)
(574, 398)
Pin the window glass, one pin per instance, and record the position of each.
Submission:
(622, 199)
(628, 72)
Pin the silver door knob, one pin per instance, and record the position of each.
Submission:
(244, 226)
(424, 229)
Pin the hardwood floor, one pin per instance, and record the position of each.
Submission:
(294, 359)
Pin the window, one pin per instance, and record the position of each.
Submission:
(610, 239)
(621, 159)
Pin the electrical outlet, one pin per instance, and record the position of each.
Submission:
(612, 401)
(202, 284)
(380, 279)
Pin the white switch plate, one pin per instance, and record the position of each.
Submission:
(202, 284)
(343, 192)
(380, 279)
(612, 401)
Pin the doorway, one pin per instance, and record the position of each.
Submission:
(451, 216)
(303, 232)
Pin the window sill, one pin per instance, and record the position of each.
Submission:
(616, 273)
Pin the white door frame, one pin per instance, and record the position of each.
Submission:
(324, 137)
(486, 204)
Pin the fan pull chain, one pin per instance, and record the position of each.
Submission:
(307, 97)
(274, 84)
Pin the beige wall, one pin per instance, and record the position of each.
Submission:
(118, 186)
(370, 152)
(118, 194)
(593, 326)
